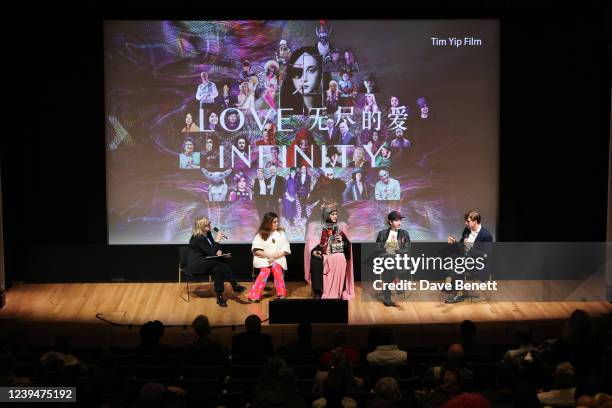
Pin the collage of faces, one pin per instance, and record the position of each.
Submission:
(304, 126)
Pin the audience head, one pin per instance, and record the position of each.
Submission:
(579, 326)
(201, 325)
(341, 367)
(590, 386)
(467, 400)
(152, 392)
(388, 389)
(456, 354)
(53, 363)
(151, 332)
(564, 376)
(586, 401)
(253, 324)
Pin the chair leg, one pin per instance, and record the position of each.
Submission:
(187, 281)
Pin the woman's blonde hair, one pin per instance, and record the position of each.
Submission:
(359, 148)
(199, 224)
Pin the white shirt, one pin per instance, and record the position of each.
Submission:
(272, 183)
(472, 237)
(392, 236)
(262, 186)
(276, 242)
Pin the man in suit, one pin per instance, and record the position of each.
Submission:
(476, 241)
(204, 346)
(331, 134)
(275, 190)
(260, 193)
(391, 241)
(346, 137)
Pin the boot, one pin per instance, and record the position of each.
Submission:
(221, 301)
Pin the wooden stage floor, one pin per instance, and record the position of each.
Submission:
(36, 314)
(136, 303)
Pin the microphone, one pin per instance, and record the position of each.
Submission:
(222, 234)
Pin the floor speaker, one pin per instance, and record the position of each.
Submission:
(308, 310)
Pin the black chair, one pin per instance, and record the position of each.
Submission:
(182, 269)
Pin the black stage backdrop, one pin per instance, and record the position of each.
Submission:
(555, 104)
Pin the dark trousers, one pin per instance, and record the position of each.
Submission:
(316, 273)
(262, 204)
(389, 276)
(220, 272)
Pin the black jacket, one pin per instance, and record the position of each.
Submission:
(199, 249)
(403, 239)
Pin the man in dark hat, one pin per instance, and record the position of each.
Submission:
(391, 241)
(333, 157)
(367, 86)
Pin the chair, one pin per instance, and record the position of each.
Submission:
(182, 269)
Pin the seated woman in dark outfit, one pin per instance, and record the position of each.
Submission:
(202, 245)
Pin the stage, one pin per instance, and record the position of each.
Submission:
(111, 312)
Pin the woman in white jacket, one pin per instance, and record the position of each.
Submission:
(270, 246)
